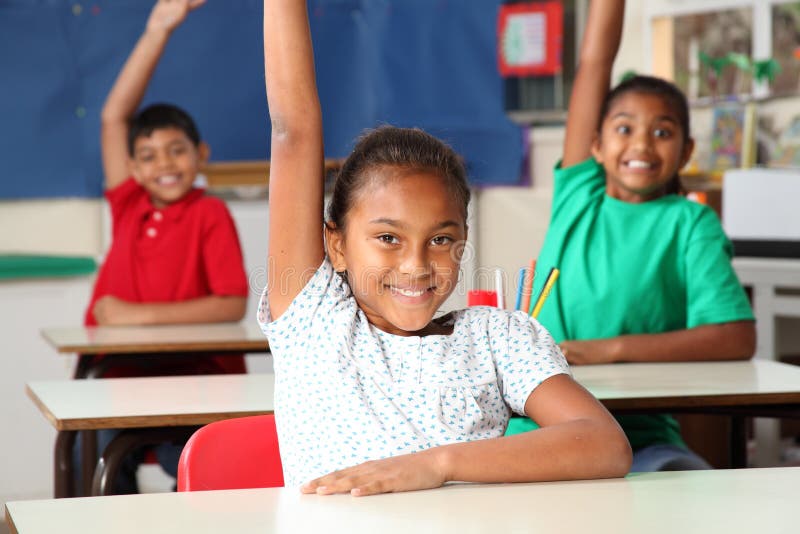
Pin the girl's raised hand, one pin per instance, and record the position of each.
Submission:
(401, 473)
(169, 14)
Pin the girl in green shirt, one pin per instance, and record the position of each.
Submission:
(645, 274)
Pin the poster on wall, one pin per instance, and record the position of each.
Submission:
(529, 38)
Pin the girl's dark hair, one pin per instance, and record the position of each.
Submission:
(159, 116)
(653, 86)
(407, 148)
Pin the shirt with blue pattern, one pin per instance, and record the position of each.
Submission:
(347, 392)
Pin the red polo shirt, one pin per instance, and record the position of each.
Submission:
(186, 250)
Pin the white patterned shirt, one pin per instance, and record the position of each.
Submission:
(347, 392)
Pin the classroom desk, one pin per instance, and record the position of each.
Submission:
(731, 501)
(167, 406)
(766, 278)
(145, 346)
(140, 341)
(737, 389)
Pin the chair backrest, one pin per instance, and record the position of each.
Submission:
(232, 454)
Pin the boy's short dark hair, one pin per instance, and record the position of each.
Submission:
(158, 116)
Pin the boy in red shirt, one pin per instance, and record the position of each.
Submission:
(175, 255)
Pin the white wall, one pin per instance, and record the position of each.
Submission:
(26, 449)
(507, 226)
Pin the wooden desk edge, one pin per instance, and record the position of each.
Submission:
(701, 401)
(149, 421)
(12, 528)
(155, 348)
(43, 333)
(43, 408)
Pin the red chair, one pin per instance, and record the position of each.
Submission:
(232, 454)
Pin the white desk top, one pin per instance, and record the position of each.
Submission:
(151, 401)
(691, 384)
(773, 271)
(190, 400)
(216, 337)
(735, 501)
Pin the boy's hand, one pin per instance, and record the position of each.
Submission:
(111, 311)
(594, 351)
(168, 14)
(401, 473)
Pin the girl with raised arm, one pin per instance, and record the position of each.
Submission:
(646, 274)
(372, 394)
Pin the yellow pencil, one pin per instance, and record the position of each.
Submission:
(548, 285)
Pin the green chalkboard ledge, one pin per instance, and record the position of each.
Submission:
(19, 266)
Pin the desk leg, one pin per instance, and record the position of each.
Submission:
(64, 471)
(767, 431)
(738, 437)
(88, 459)
(83, 366)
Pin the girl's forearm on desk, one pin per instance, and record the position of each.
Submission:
(581, 449)
(579, 439)
(712, 342)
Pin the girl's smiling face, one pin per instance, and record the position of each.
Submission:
(642, 146)
(401, 248)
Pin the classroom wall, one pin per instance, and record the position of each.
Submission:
(26, 450)
(507, 227)
(71, 226)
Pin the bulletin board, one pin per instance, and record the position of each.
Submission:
(425, 63)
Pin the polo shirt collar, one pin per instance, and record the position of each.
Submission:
(175, 211)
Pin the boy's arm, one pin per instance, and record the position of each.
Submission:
(599, 47)
(296, 166)
(111, 311)
(125, 96)
(579, 439)
(712, 342)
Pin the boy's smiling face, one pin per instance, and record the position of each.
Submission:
(402, 249)
(166, 164)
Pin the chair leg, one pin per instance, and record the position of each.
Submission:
(126, 441)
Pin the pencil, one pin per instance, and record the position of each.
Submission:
(548, 285)
(528, 286)
(520, 285)
(499, 289)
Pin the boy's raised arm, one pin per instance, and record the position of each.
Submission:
(599, 47)
(296, 166)
(125, 96)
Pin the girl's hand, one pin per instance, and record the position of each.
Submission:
(588, 352)
(169, 14)
(401, 473)
(111, 311)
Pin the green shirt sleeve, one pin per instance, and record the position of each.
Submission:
(713, 291)
(577, 185)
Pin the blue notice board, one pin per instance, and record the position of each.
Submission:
(425, 63)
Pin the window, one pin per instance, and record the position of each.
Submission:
(544, 98)
(679, 31)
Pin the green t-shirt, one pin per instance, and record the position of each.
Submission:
(628, 268)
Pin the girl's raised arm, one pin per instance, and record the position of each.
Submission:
(296, 167)
(599, 47)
